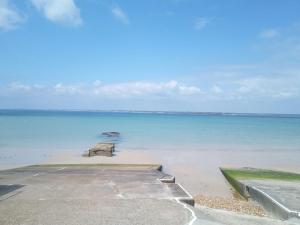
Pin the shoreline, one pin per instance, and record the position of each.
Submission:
(197, 170)
(204, 181)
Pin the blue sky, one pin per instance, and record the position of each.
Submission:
(184, 55)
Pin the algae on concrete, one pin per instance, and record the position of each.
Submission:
(277, 191)
(235, 175)
(252, 173)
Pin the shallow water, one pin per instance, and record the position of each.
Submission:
(31, 136)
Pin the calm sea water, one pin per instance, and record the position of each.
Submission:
(31, 136)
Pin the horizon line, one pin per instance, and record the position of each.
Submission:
(152, 111)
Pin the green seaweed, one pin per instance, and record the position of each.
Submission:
(234, 183)
(251, 173)
(234, 176)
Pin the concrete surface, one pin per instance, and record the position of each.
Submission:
(217, 216)
(105, 195)
(280, 198)
(286, 192)
(89, 194)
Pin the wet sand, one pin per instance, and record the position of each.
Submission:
(198, 170)
(122, 157)
(69, 156)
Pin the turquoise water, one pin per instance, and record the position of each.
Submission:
(30, 136)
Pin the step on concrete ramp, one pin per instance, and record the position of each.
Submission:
(92, 194)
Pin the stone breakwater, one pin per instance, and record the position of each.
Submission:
(100, 149)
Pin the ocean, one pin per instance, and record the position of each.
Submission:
(31, 136)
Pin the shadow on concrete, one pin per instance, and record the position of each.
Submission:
(4, 189)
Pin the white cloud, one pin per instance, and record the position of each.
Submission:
(189, 90)
(201, 22)
(15, 86)
(119, 14)
(239, 87)
(25, 88)
(216, 89)
(9, 16)
(269, 33)
(146, 88)
(69, 89)
(269, 87)
(267, 82)
(97, 83)
(59, 11)
(115, 90)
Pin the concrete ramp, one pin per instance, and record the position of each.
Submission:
(280, 198)
(277, 191)
(92, 194)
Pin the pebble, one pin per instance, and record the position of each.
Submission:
(230, 204)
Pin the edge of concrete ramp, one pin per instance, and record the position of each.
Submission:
(270, 204)
(108, 165)
(275, 191)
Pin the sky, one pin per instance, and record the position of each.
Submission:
(158, 55)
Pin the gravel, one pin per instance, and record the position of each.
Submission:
(230, 204)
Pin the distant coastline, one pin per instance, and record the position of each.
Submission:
(190, 113)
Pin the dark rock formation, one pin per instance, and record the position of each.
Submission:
(111, 134)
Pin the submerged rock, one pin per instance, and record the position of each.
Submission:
(111, 134)
(102, 149)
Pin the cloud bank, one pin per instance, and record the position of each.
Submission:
(239, 88)
(115, 90)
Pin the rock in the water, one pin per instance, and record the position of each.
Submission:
(104, 149)
(111, 134)
(86, 153)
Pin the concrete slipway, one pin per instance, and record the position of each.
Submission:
(89, 194)
(280, 198)
(103, 194)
